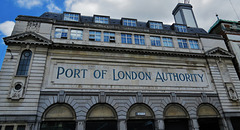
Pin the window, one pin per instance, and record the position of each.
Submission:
(61, 33)
(193, 44)
(95, 36)
(21, 127)
(181, 28)
(168, 42)
(71, 17)
(155, 41)
(139, 40)
(10, 127)
(109, 37)
(155, 25)
(182, 43)
(24, 63)
(129, 22)
(126, 38)
(101, 19)
(76, 34)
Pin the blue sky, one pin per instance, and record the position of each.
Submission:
(143, 10)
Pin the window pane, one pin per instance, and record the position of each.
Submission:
(128, 22)
(21, 127)
(24, 63)
(61, 33)
(155, 41)
(76, 34)
(126, 38)
(9, 127)
(181, 28)
(167, 42)
(194, 44)
(94, 36)
(156, 25)
(71, 17)
(182, 43)
(99, 19)
(139, 39)
(109, 37)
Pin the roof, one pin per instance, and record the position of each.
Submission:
(220, 21)
(142, 25)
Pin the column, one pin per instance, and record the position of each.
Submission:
(122, 125)
(80, 125)
(194, 124)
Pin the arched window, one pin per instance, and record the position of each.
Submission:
(140, 117)
(24, 62)
(176, 118)
(101, 117)
(208, 117)
(59, 117)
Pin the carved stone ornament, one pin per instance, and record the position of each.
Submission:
(231, 91)
(17, 91)
(33, 26)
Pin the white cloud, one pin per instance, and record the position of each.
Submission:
(159, 10)
(29, 3)
(7, 27)
(53, 8)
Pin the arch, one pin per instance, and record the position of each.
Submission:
(175, 111)
(101, 112)
(140, 111)
(207, 111)
(24, 62)
(59, 112)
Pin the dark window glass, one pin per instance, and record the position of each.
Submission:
(176, 124)
(101, 125)
(10, 127)
(24, 63)
(140, 125)
(235, 123)
(208, 124)
(21, 127)
(58, 125)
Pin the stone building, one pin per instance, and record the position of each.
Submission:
(72, 72)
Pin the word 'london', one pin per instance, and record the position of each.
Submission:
(129, 75)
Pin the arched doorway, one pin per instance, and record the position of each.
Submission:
(208, 117)
(101, 117)
(140, 117)
(59, 117)
(176, 118)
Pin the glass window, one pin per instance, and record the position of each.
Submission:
(24, 63)
(194, 44)
(126, 38)
(9, 127)
(109, 37)
(100, 19)
(181, 28)
(21, 127)
(168, 42)
(76, 34)
(155, 25)
(155, 41)
(71, 17)
(129, 22)
(95, 36)
(139, 39)
(182, 43)
(61, 33)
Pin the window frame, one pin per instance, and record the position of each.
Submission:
(139, 39)
(110, 37)
(101, 18)
(167, 40)
(61, 36)
(76, 34)
(23, 68)
(155, 26)
(95, 36)
(129, 22)
(127, 38)
(71, 19)
(180, 28)
(155, 41)
(182, 43)
(192, 45)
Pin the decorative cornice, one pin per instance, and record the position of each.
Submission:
(219, 53)
(40, 40)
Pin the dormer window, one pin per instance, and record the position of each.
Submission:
(180, 28)
(129, 22)
(155, 25)
(71, 17)
(101, 19)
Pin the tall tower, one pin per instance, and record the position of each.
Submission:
(183, 14)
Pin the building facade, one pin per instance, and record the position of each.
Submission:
(72, 72)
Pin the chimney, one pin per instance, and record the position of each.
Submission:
(183, 14)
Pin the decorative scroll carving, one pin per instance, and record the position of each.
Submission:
(33, 26)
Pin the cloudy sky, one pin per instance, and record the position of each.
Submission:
(143, 10)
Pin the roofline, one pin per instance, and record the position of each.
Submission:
(221, 21)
